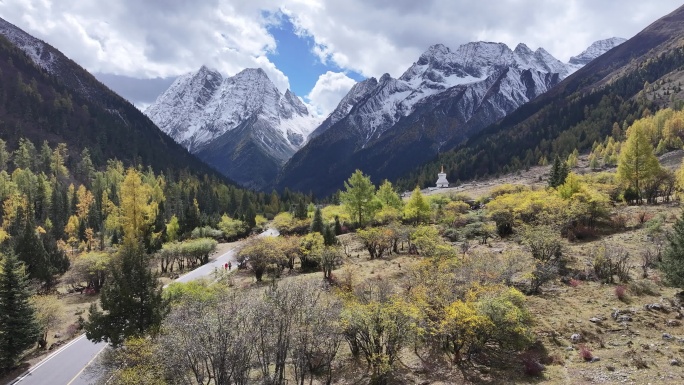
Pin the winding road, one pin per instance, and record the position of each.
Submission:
(67, 366)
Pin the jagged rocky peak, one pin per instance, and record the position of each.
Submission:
(596, 49)
(481, 56)
(358, 92)
(292, 102)
(200, 107)
(523, 50)
(252, 74)
(204, 82)
(435, 53)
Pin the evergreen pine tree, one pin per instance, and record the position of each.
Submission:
(559, 171)
(4, 155)
(30, 250)
(18, 327)
(317, 223)
(131, 300)
(191, 217)
(673, 258)
(300, 211)
(338, 225)
(329, 238)
(250, 216)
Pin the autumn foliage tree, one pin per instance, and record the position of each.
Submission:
(359, 197)
(131, 300)
(637, 162)
(417, 209)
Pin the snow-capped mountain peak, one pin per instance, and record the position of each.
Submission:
(520, 74)
(238, 124)
(201, 106)
(595, 50)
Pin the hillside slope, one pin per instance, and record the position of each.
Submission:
(46, 96)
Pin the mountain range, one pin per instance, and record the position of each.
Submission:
(480, 109)
(602, 98)
(246, 129)
(440, 101)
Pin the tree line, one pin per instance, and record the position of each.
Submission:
(66, 221)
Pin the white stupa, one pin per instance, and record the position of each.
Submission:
(442, 181)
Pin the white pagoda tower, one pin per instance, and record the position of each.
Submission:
(442, 181)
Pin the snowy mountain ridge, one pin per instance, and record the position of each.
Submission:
(595, 50)
(389, 125)
(200, 107)
(34, 48)
(439, 68)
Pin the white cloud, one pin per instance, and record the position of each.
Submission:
(153, 38)
(330, 88)
(163, 38)
(374, 37)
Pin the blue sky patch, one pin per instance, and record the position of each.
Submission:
(295, 58)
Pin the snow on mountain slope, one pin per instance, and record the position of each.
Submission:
(359, 91)
(595, 50)
(439, 69)
(34, 48)
(200, 107)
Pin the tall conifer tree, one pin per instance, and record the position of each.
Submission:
(673, 258)
(18, 327)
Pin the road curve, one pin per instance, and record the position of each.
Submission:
(67, 365)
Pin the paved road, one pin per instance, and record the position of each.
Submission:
(219, 262)
(67, 365)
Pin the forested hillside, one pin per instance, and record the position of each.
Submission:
(81, 112)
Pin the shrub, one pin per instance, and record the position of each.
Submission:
(531, 365)
(545, 247)
(575, 282)
(643, 217)
(618, 221)
(585, 353)
(655, 225)
(206, 232)
(621, 292)
(581, 232)
(451, 234)
(507, 189)
(609, 262)
(643, 287)
(73, 329)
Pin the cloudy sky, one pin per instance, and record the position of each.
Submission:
(317, 48)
